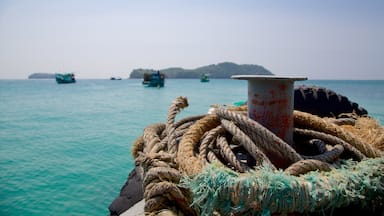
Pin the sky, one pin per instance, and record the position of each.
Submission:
(318, 39)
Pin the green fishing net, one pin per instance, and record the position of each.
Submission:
(265, 191)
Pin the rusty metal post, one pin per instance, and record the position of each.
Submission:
(270, 102)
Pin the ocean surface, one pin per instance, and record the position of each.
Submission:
(65, 149)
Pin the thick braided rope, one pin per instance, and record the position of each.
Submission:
(369, 130)
(152, 205)
(177, 105)
(147, 163)
(168, 189)
(310, 121)
(342, 121)
(161, 146)
(227, 154)
(187, 120)
(247, 143)
(137, 146)
(210, 137)
(332, 140)
(261, 136)
(163, 188)
(160, 176)
(188, 162)
(304, 166)
(213, 152)
(183, 127)
(160, 182)
(151, 136)
(328, 156)
(177, 134)
(212, 158)
(161, 173)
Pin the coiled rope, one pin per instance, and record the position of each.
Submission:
(171, 151)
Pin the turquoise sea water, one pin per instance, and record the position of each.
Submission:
(65, 149)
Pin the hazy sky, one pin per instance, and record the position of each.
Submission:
(320, 39)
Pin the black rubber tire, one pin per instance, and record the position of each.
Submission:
(324, 102)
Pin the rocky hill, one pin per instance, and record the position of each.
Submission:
(219, 71)
(42, 76)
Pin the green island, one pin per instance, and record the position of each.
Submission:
(42, 76)
(216, 71)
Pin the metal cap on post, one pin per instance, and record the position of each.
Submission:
(270, 102)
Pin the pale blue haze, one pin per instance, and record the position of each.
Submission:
(338, 39)
(65, 149)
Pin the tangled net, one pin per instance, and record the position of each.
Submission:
(228, 164)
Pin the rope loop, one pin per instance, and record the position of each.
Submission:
(172, 151)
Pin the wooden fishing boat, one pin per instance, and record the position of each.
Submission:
(115, 78)
(65, 78)
(204, 78)
(154, 79)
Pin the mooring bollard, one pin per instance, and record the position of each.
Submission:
(270, 102)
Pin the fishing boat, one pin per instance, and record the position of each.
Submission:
(65, 78)
(154, 79)
(115, 78)
(204, 78)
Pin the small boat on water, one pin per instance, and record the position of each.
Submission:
(204, 78)
(115, 78)
(154, 79)
(65, 78)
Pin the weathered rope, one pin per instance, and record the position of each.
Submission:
(175, 150)
(267, 140)
(161, 173)
(212, 158)
(342, 121)
(248, 144)
(188, 119)
(177, 105)
(157, 158)
(208, 139)
(165, 189)
(328, 156)
(188, 162)
(306, 120)
(332, 140)
(228, 155)
(304, 166)
(137, 146)
(369, 131)
(151, 136)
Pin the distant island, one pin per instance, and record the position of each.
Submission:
(219, 71)
(216, 71)
(42, 76)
